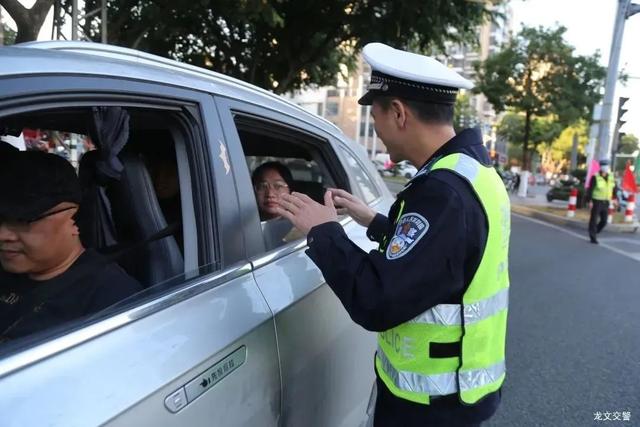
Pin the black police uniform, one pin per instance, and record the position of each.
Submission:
(88, 286)
(380, 294)
(599, 211)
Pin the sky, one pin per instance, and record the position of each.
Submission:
(589, 29)
(589, 26)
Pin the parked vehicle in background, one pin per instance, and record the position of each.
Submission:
(379, 165)
(562, 189)
(404, 169)
(509, 179)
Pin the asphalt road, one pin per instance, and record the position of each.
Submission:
(574, 329)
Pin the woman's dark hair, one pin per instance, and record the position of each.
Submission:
(284, 172)
(426, 112)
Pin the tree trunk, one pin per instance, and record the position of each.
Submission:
(28, 21)
(525, 144)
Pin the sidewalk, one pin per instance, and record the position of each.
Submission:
(535, 203)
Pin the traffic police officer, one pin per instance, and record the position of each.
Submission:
(436, 289)
(601, 190)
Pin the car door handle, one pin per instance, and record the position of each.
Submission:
(205, 380)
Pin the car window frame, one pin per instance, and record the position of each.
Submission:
(251, 226)
(62, 92)
(344, 149)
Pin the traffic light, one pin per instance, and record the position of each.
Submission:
(621, 111)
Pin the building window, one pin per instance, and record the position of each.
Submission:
(331, 109)
(362, 126)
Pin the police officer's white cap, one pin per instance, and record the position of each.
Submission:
(408, 75)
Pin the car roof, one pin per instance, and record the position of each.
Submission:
(95, 59)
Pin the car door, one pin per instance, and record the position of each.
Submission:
(198, 350)
(326, 359)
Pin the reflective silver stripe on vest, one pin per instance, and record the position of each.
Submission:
(467, 167)
(470, 380)
(433, 385)
(440, 384)
(449, 314)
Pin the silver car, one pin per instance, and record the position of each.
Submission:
(232, 328)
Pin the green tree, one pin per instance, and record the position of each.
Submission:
(28, 21)
(556, 154)
(542, 130)
(628, 144)
(287, 44)
(464, 115)
(538, 75)
(8, 35)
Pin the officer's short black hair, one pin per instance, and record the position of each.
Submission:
(426, 112)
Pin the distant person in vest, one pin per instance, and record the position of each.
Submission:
(47, 277)
(600, 193)
(436, 289)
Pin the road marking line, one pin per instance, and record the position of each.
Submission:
(579, 236)
(622, 240)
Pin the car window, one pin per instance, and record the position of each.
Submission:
(366, 185)
(281, 159)
(135, 216)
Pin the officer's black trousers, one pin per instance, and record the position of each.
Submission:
(598, 219)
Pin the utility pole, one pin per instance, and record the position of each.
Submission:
(574, 152)
(625, 10)
(1, 29)
(103, 31)
(74, 20)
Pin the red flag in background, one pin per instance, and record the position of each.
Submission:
(629, 180)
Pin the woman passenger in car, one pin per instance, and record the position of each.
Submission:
(270, 181)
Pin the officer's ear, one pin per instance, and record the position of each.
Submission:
(399, 112)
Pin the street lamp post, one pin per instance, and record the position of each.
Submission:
(625, 10)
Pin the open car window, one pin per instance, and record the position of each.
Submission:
(136, 217)
(310, 160)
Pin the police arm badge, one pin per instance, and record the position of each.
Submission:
(410, 228)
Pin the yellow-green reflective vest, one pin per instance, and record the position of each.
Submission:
(480, 323)
(603, 188)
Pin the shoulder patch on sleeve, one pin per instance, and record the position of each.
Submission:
(411, 227)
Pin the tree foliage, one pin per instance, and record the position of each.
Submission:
(286, 44)
(556, 155)
(628, 144)
(543, 129)
(538, 75)
(8, 35)
(464, 115)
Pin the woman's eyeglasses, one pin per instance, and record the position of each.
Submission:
(278, 186)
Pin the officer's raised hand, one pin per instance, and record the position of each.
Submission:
(304, 212)
(350, 205)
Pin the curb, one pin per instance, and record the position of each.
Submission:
(569, 222)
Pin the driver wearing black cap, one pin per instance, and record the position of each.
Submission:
(47, 277)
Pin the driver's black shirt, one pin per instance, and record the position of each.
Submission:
(88, 286)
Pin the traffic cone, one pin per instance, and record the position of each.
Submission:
(631, 207)
(611, 210)
(573, 198)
